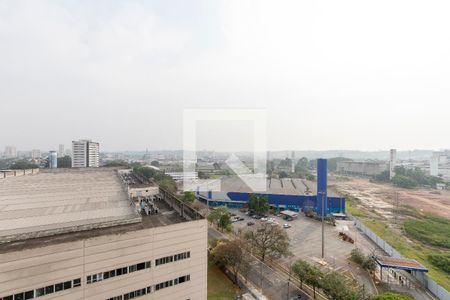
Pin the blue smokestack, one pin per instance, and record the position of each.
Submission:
(321, 185)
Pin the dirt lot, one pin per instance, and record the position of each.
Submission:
(382, 197)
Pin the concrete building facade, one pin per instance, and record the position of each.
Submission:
(61, 150)
(10, 152)
(87, 240)
(364, 168)
(85, 154)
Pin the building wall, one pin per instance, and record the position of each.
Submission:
(362, 168)
(293, 202)
(85, 153)
(25, 270)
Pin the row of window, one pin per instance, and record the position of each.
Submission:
(133, 294)
(118, 272)
(172, 258)
(50, 289)
(148, 290)
(170, 283)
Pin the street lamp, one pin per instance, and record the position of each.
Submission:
(323, 224)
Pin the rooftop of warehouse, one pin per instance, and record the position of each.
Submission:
(283, 186)
(66, 204)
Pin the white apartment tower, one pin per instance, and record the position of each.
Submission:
(61, 150)
(392, 162)
(10, 152)
(85, 154)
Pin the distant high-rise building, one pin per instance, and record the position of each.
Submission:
(85, 154)
(35, 154)
(10, 152)
(61, 150)
(392, 163)
(52, 160)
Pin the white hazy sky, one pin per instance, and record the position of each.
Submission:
(332, 74)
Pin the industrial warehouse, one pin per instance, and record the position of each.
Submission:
(282, 194)
(82, 234)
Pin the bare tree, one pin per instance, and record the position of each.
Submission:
(268, 239)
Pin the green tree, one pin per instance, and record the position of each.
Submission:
(155, 163)
(283, 174)
(188, 197)
(65, 162)
(221, 217)
(404, 181)
(232, 255)
(300, 269)
(357, 256)
(115, 163)
(258, 204)
(336, 287)
(308, 273)
(22, 165)
(202, 175)
(164, 181)
(268, 240)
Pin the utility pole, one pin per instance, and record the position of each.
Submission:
(323, 224)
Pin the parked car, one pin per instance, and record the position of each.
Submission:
(286, 225)
(263, 219)
(250, 223)
(241, 219)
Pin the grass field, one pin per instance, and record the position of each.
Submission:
(219, 286)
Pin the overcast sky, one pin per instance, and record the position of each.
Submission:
(364, 75)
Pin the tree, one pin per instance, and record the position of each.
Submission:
(115, 163)
(404, 181)
(164, 181)
(22, 165)
(202, 175)
(188, 197)
(268, 240)
(307, 273)
(336, 287)
(357, 256)
(232, 255)
(300, 269)
(155, 163)
(65, 162)
(258, 204)
(283, 174)
(221, 217)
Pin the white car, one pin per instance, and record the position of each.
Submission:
(263, 219)
(286, 225)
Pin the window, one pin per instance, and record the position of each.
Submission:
(40, 292)
(132, 268)
(67, 285)
(49, 289)
(77, 282)
(18, 296)
(172, 258)
(8, 298)
(117, 272)
(58, 287)
(29, 295)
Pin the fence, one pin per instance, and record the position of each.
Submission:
(437, 290)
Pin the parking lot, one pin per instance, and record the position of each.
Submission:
(306, 238)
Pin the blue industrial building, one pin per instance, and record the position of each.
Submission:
(292, 194)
